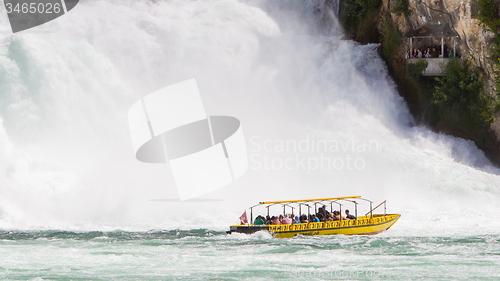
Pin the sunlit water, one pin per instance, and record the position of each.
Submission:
(76, 204)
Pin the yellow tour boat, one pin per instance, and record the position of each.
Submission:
(368, 224)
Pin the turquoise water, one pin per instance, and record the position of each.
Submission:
(203, 254)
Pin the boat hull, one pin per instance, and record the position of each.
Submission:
(361, 226)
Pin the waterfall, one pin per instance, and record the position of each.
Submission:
(320, 115)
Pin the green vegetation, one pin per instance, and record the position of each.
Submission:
(391, 38)
(400, 7)
(462, 89)
(488, 15)
(391, 41)
(396, 64)
(457, 103)
(414, 70)
(359, 18)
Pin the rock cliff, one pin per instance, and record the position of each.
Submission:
(474, 43)
(475, 39)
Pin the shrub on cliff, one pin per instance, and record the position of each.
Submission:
(414, 70)
(359, 18)
(462, 90)
(400, 7)
(349, 16)
(488, 14)
(391, 38)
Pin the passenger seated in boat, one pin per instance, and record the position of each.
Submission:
(296, 220)
(268, 220)
(325, 212)
(329, 217)
(335, 216)
(320, 217)
(259, 220)
(320, 211)
(303, 219)
(314, 218)
(286, 220)
(349, 216)
(275, 220)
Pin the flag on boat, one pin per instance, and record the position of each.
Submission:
(243, 218)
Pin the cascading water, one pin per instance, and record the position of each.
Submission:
(282, 68)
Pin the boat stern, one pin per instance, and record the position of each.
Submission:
(247, 228)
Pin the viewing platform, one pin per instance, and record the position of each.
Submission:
(435, 66)
(426, 36)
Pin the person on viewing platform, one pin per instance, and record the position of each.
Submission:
(286, 220)
(415, 53)
(440, 55)
(446, 52)
(259, 220)
(419, 55)
(408, 54)
(349, 216)
(275, 220)
(450, 53)
(434, 53)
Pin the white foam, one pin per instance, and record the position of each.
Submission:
(69, 163)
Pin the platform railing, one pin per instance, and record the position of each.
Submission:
(435, 66)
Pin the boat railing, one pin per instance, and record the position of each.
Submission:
(371, 211)
(361, 221)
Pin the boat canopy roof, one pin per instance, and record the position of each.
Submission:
(310, 200)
